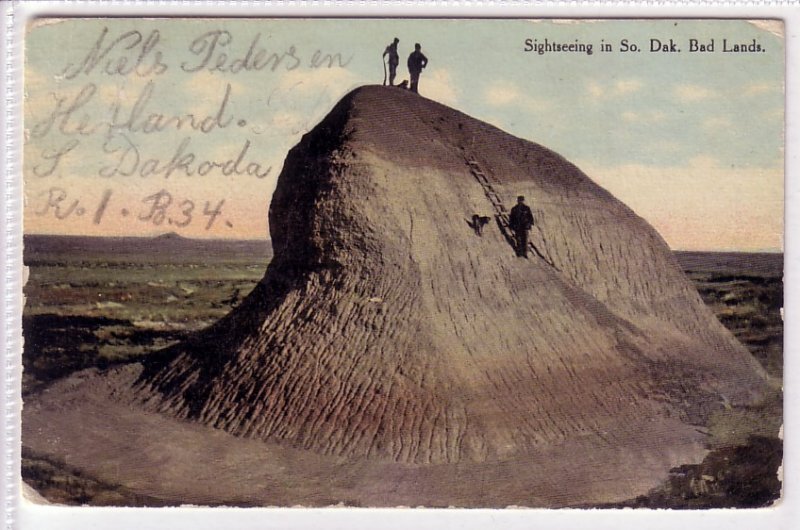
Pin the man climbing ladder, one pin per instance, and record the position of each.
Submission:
(501, 214)
(521, 221)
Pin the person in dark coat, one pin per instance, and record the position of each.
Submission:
(416, 62)
(520, 221)
(394, 59)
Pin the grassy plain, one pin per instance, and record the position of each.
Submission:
(79, 315)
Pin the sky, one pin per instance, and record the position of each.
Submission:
(692, 142)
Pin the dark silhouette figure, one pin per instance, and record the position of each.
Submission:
(394, 60)
(416, 62)
(520, 221)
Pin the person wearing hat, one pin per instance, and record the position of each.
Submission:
(416, 62)
(394, 60)
(520, 221)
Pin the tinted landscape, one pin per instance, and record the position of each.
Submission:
(95, 302)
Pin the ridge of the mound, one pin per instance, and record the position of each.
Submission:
(385, 328)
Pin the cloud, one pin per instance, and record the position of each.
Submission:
(290, 104)
(758, 88)
(644, 117)
(205, 90)
(502, 93)
(306, 82)
(127, 90)
(38, 100)
(286, 120)
(36, 81)
(306, 94)
(690, 93)
(615, 89)
(505, 93)
(595, 90)
(627, 86)
(439, 85)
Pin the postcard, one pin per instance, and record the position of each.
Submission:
(403, 262)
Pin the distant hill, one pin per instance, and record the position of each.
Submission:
(738, 263)
(169, 247)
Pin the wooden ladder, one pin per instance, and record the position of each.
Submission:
(501, 213)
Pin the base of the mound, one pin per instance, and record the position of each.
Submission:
(82, 422)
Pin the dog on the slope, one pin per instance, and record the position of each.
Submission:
(478, 222)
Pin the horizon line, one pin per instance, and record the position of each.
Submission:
(40, 234)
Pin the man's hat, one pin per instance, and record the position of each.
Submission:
(396, 39)
(520, 197)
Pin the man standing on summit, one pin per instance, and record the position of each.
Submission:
(394, 60)
(416, 62)
(520, 221)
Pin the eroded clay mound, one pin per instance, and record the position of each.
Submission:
(387, 328)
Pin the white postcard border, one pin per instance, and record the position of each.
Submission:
(26, 515)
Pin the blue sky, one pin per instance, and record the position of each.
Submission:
(693, 142)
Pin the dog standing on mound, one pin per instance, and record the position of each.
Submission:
(478, 222)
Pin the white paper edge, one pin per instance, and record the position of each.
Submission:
(22, 514)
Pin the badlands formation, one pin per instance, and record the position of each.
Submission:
(393, 356)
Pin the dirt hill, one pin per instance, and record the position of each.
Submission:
(387, 332)
(386, 328)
